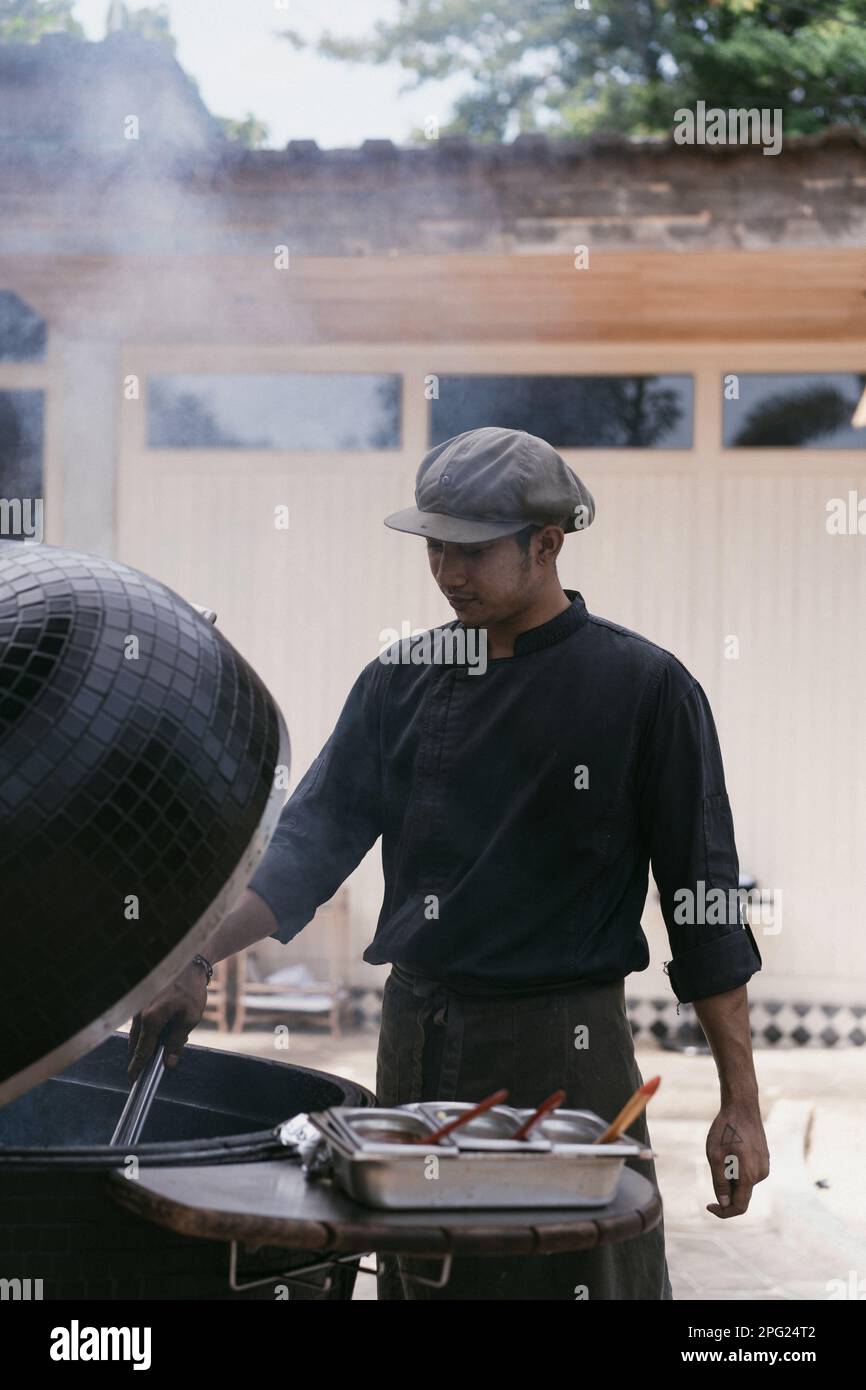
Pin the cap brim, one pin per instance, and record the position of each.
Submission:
(438, 526)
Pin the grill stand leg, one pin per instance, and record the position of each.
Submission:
(291, 1276)
(440, 1283)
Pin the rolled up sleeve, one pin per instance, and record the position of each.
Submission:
(688, 827)
(332, 818)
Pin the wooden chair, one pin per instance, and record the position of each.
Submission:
(221, 1007)
(266, 1000)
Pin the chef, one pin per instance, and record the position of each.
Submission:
(520, 807)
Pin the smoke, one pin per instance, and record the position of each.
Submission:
(126, 217)
(125, 214)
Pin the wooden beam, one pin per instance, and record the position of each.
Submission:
(622, 297)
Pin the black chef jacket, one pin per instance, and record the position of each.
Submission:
(519, 810)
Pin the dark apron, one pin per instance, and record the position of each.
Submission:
(437, 1043)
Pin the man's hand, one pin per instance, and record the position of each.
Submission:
(179, 1007)
(736, 1144)
(738, 1157)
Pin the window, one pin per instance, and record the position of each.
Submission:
(570, 412)
(792, 411)
(309, 410)
(22, 332)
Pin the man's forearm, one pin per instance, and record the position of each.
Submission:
(251, 921)
(725, 1020)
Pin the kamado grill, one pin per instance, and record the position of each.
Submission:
(137, 795)
(137, 760)
(62, 1223)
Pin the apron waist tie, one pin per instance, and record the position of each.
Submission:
(439, 1007)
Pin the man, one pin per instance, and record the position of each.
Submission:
(519, 807)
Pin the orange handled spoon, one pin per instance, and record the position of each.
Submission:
(630, 1111)
(552, 1103)
(498, 1098)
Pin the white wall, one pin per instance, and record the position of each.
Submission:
(688, 547)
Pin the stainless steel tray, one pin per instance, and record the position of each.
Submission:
(560, 1169)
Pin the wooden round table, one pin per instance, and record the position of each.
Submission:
(272, 1203)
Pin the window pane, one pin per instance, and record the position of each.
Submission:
(570, 412)
(793, 411)
(308, 410)
(20, 464)
(22, 332)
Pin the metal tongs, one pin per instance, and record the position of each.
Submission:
(141, 1097)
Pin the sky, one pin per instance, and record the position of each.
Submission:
(232, 49)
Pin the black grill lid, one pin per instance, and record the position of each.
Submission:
(137, 760)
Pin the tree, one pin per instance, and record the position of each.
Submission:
(625, 65)
(797, 417)
(250, 132)
(152, 22)
(25, 21)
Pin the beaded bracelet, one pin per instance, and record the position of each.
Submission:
(208, 968)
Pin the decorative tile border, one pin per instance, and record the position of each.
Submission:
(774, 1024)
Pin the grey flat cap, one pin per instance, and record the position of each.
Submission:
(492, 482)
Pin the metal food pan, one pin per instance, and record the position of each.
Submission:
(326, 1122)
(575, 1132)
(365, 1130)
(490, 1132)
(460, 1180)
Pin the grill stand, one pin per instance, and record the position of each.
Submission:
(293, 1276)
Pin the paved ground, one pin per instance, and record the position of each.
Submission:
(796, 1238)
